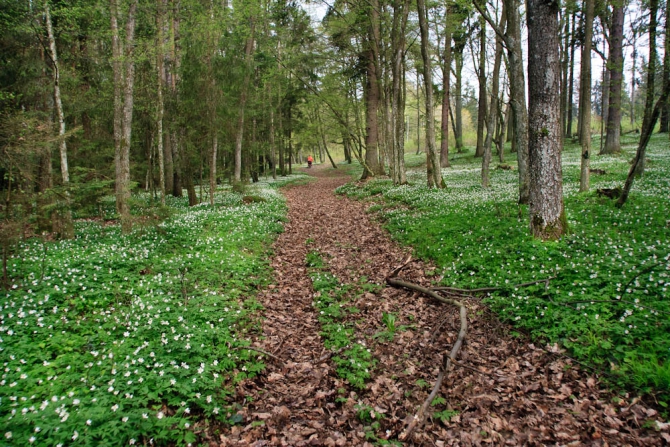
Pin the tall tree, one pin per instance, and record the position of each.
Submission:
(615, 66)
(651, 114)
(547, 214)
(434, 172)
(66, 227)
(585, 96)
(482, 96)
(492, 118)
(123, 65)
(517, 86)
(446, 90)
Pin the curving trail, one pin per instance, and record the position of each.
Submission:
(523, 396)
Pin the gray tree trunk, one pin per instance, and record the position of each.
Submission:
(434, 172)
(585, 96)
(547, 214)
(615, 65)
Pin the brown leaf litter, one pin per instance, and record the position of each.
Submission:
(510, 392)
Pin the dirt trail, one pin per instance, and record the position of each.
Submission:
(524, 395)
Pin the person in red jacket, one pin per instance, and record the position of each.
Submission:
(309, 161)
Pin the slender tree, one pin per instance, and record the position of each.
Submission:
(585, 96)
(615, 66)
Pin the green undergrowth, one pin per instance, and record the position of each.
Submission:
(607, 298)
(111, 339)
(333, 303)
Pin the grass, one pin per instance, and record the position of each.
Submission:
(113, 339)
(607, 303)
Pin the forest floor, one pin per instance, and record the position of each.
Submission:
(508, 390)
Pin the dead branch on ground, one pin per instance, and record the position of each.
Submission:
(492, 289)
(447, 362)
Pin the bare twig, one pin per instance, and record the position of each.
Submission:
(419, 416)
(396, 270)
(492, 289)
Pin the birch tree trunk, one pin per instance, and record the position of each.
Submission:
(432, 156)
(547, 214)
(585, 96)
(66, 227)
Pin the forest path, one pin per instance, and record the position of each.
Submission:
(525, 394)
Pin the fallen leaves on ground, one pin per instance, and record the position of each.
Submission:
(522, 395)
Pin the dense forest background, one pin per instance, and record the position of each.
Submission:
(176, 96)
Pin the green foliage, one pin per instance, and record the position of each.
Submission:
(110, 338)
(607, 301)
(355, 362)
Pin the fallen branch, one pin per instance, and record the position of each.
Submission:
(419, 416)
(396, 270)
(492, 289)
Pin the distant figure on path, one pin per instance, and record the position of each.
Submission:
(309, 161)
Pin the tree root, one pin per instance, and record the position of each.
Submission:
(420, 415)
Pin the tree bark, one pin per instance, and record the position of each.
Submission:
(398, 43)
(124, 74)
(66, 227)
(446, 79)
(458, 95)
(651, 74)
(372, 95)
(243, 102)
(160, 23)
(491, 122)
(434, 172)
(568, 130)
(665, 111)
(585, 96)
(615, 65)
(482, 107)
(547, 214)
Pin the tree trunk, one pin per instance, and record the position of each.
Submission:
(615, 64)
(665, 110)
(458, 99)
(243, 102)
(491, 122)
(398, 43)
(66, 227)
(571, 80)
(482, 107)
(372, 96)
(123, 108)
(518, 95)
(432, 156)
(446, 79)
(651, 74)
(585, 96)
(160, 23)
(547, 214)
(651, 118)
